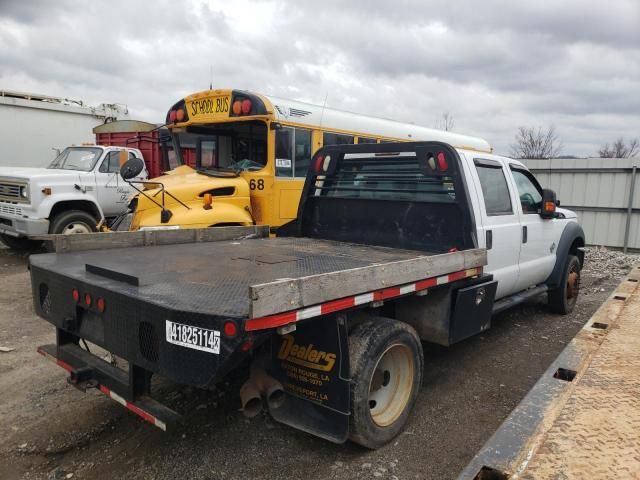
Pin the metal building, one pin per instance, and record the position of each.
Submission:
(33, 126)
(604, 192)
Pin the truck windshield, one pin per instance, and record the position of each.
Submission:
(238, 146)
(77, 158)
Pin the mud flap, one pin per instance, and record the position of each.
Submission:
(312, 363)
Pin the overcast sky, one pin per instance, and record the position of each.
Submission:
(494, 65)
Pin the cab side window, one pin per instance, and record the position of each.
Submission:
(528, 190)
(497, 200)
(111, 163)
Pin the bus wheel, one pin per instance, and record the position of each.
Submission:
(386, 372)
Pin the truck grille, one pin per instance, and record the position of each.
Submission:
(11, 191)
(10, 210)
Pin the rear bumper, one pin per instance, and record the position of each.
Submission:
(135, 330)
(130, 390)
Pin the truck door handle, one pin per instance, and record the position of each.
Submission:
(524, 234)
(489, 239)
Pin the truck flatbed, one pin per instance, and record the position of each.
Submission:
(215, 278)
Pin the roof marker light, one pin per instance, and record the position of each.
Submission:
(237, 107)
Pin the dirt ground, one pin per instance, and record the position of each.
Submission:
(50, 430)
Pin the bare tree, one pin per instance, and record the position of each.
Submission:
(620, 149)
(531, 142)
(446, 122)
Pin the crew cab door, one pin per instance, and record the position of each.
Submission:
(539, 237)
(113, 192)
(499, 226)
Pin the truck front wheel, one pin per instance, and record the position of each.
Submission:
(20, 244)
(73, 221)
(386, 363)
(563, 298)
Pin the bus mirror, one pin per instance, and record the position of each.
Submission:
(131, 168)
(549, 202)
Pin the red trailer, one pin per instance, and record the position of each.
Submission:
(152, 140)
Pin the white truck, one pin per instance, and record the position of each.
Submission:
(78, 190)
(395, 244)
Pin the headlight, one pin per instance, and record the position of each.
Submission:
(24, 191)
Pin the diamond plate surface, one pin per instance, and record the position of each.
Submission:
(214, 277)
(596, 434)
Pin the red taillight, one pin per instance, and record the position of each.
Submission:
(442, 162)
(180, 115)
(87, 299)
(237, 107)
(246, 106)
(75, 294)
(317, 166)
(246, 346)
(100, 305)
(172, 116)
(230, 329)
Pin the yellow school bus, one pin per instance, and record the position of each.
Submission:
(249, 153)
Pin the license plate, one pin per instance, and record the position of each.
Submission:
(193, 337)
(209, 107)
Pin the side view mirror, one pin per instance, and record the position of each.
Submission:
(131, 168)
(549, 203)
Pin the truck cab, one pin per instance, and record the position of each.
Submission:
(521, 242)
(78, 190)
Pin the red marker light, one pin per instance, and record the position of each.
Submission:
(75, 294)
(172, 116)
(180, 115)
(87, 299)
(230, 329)
(246, 346)
(100, 304)
(442, 162)
(246, 106)
(317, 166)
(237, 107)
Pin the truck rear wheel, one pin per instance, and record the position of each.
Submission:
(73, 221)
(563, 298)
(20, 244)
(386, 372)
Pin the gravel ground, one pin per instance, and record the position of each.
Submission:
(50, 430)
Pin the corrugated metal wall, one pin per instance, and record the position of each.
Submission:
(604, 192)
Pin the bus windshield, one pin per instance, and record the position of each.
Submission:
(234, 146)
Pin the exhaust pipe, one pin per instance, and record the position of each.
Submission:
(250, 399)
(259, 385)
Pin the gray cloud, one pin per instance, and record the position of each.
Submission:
(494, 65)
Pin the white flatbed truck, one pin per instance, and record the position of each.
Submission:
(389, 249)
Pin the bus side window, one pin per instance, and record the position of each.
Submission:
(336, 139)
(366, 140)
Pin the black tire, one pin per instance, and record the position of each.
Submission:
(385, 342)
(563, 299)
(63, 222)
(20, 244)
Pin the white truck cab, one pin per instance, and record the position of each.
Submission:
(524, 249)
(78, 190)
